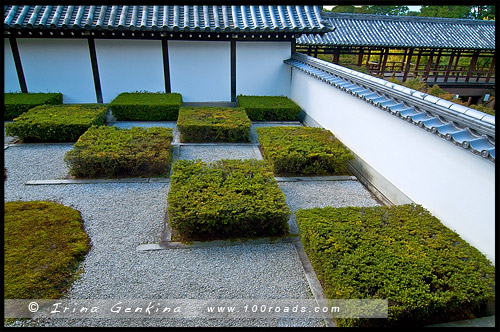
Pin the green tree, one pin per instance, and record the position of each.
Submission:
(446, 11)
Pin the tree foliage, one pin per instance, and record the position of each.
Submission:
(480, 12)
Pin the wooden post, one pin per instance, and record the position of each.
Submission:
(336, 55)
(316, 51)
(18, 64)
(384, 62)
(455, 66)
(450, 63)
(428, 66)
(360, 57)
(309, 50)
(233, 70)
(492, 68)
(368, 57)
(408, 64)
(95, 70)
(415, 73)
(473, 62)
(436, 68)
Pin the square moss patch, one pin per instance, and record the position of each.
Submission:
(225, 199)
(213, 124)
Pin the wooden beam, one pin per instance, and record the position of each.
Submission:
(380, 60)
(166, 65)
(415, 73)
(436, 68)
(448, 69)
(360, 57)
(293, 46)
(473, 62)
(384, 61)
(492, 69)
(368, 57)
(336, 55)
(428, 66)
(233, 71)
(95, 70)
(456, 64)
(18, 64)
(408, 64)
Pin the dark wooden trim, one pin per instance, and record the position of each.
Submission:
(166, 65)
(385, 53)
(233, 71)
(473, 62)
(491, 70)
(428, 66)
(18, 64)
(293, 45)
(155, 35)
(417, 64)
(436, 68)
(360, 57)
(95, 70)
(450, 64)
(408, 64)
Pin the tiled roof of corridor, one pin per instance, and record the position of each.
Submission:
(404, 31)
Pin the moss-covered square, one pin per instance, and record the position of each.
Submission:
(213, 124)
(56, 123)
(17, 103)
(428, 274)
(295, 151)
(43, 244)
(146, 106)
(269, 108)
(110, 152)
(225, 199)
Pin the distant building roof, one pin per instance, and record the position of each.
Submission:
(404, 31)
(234, 19)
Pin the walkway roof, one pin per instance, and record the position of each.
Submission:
(404, 32)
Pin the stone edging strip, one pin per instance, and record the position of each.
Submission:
(97, 181)
(167, 180)
(166, 245)
(316, 178)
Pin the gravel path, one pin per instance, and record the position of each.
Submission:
(120, 216)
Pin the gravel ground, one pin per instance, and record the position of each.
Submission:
(209, 153)
(120, 216)
(117, 221)
(253, 135)
(311, 194)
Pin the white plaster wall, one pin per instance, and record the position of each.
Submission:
(129, 65)
(200, 70)
(453, 184)
(260, 69)
(11, 81)
(58, 65)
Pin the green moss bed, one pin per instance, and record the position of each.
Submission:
(428, 274)
(112, 152)
(225, 199)
(44, 243)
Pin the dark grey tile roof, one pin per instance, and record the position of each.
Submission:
(463, 126)
(404, 31)
(167, 18)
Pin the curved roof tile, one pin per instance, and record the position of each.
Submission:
(404, 31)
(463, 126)
(172, 18)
